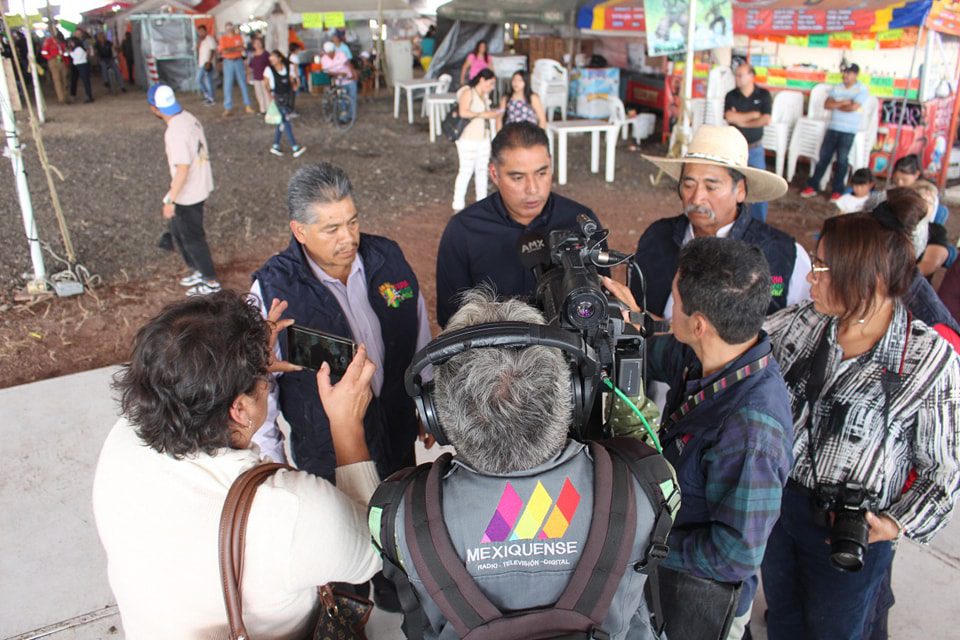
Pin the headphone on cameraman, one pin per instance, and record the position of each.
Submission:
(498, 335)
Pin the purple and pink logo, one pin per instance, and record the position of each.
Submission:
(515, 521)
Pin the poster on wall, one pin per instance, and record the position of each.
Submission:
(667, 20)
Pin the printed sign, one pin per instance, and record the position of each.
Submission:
(667, 20)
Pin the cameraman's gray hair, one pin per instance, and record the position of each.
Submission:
(503, 409)
(321, 183)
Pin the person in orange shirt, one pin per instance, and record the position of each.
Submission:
(231, 49)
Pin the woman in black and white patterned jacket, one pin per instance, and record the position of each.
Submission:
(876, 404)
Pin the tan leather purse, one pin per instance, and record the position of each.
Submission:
(342, 616)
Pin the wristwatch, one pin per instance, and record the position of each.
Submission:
(167, 199)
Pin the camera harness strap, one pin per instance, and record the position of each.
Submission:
(889, 380)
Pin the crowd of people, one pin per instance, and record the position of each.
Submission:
(810, 412)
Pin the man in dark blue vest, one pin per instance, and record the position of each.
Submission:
(714, 183)
(350, 284)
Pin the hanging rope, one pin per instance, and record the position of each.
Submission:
(73, 271)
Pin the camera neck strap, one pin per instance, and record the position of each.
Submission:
(818, 375)
(717, 387)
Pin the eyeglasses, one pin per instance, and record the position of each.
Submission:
(817, 267)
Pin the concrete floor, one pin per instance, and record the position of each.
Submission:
(53, 581)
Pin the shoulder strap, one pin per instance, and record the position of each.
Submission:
(233, 529)
(382, 519)
(659, 483)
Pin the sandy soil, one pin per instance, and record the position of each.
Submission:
(111, 156)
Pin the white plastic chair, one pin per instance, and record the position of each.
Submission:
(808, 133)
(698, 110)
(444, 80)
(805, 143)
(787, 109)
(551, 81)
(818, 97)
(859, 156)
(713, 112)
(720, 81)
(642, 123)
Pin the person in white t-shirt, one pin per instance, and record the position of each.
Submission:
(79, 69)
(861, 185)
(185, 436)
(191, 181)
(206, 55)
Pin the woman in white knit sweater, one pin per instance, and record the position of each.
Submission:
(192, 397)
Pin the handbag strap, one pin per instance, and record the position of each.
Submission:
(233, 528)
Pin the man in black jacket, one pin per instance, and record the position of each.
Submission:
(480, 244)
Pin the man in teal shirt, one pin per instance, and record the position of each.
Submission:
(846, 111)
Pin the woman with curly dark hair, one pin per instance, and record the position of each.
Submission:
(192, 396)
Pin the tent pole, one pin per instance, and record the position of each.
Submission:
(903, 103)
(688, 78)
(952, 133)
(15, 152)
(380, 49)
(32, 59)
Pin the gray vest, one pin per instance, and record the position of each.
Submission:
(521, 535)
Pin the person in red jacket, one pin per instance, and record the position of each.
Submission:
(53, 51)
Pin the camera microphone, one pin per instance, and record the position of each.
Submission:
(534, 252)
(587, 225)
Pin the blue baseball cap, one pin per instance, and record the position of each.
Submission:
(164, 99)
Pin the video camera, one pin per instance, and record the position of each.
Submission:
(567, 267)
(605, 353)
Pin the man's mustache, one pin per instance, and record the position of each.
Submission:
(703, 210)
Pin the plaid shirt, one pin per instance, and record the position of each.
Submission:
(854, 440)
(732, 457)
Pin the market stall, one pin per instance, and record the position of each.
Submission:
(907, 51)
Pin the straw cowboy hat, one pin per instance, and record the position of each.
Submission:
(725, 147)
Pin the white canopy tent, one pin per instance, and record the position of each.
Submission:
(240, 11)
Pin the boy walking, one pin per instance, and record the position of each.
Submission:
(190, 184)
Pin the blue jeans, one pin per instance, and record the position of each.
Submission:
(233, 71)
(284, 126)
(807, 597)
(108, 65)
(205, 83)
(351, 88)
(833, 142)
(758, 160)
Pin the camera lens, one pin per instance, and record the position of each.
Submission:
(848, 539)
(585, 309)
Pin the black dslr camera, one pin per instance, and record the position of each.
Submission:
(850, 532)
(570, 295)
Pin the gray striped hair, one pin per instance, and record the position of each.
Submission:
(503, 409)
(320, 183)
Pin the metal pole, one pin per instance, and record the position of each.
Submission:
(32, 59)
(14, 152)
(906, 94)
(688, 77)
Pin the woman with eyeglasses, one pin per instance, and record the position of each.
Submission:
(874, 398)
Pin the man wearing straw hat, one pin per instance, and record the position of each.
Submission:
(715, 182)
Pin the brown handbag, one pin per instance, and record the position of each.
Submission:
(342, 616)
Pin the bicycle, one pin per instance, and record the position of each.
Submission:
(337, 106)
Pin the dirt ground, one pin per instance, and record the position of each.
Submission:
(111, 156)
